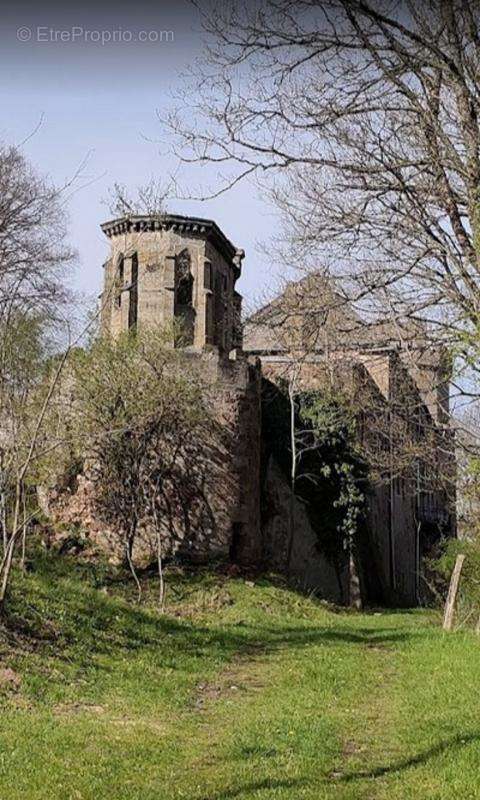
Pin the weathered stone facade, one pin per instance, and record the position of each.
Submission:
(402, 398)
(223, 519)
(171, 268)
(179, 269)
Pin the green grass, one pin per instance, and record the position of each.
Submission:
(238, 691)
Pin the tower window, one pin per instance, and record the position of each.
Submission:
(119, 280)
(184, 310)
(133, 293)
(184, 279)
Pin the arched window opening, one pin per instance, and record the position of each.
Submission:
(185, 291)
(119, 280)
(184, 279)
(220, 310)
(184, 311)
(133, 295)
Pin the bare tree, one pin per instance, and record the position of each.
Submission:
(360, 120)
(150, 198)
(33, 248)
(33, 256)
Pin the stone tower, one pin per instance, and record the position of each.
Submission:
(168, 267)
(171, 267)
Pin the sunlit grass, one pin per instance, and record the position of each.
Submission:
(238, 691)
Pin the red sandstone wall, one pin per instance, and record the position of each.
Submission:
(229, 524)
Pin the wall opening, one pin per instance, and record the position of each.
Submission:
(133, 295)
(184, 310)
(119, 280)
(220, 311)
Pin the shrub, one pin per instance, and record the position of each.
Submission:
(440, 568)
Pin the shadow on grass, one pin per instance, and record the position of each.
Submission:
(238, 791)
(460, 740)
(60, 612)
(90, 624)
(362, 636)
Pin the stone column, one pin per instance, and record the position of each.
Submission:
(247, 548)
(168, 291)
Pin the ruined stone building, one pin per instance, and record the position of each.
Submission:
(399, 389)
(184, 270)
(172, 267)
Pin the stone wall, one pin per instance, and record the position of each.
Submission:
(238, 404)
(308, 567)
(172, 269)
(399, 433)
(226, 524)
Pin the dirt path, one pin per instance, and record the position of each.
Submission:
(370, 744)
(250, 695)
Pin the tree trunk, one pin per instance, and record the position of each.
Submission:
(3, 517)
(131, 566)
(293, 473)
(161, 587)
(7, 562)
(452, 594)
(354, 591)
(24, 531)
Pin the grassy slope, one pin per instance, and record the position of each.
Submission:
(239, 692)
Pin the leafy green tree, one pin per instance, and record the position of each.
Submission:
(140, 412)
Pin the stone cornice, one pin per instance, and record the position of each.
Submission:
(193, 226)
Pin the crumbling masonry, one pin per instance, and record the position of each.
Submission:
(171, 267)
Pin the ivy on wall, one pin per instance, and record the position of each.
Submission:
(332, 476)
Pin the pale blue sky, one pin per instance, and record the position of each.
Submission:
(102, 100)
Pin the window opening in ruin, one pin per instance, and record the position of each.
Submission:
(119, 280)
(219, 310)
(133, 304)
(184, 310)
